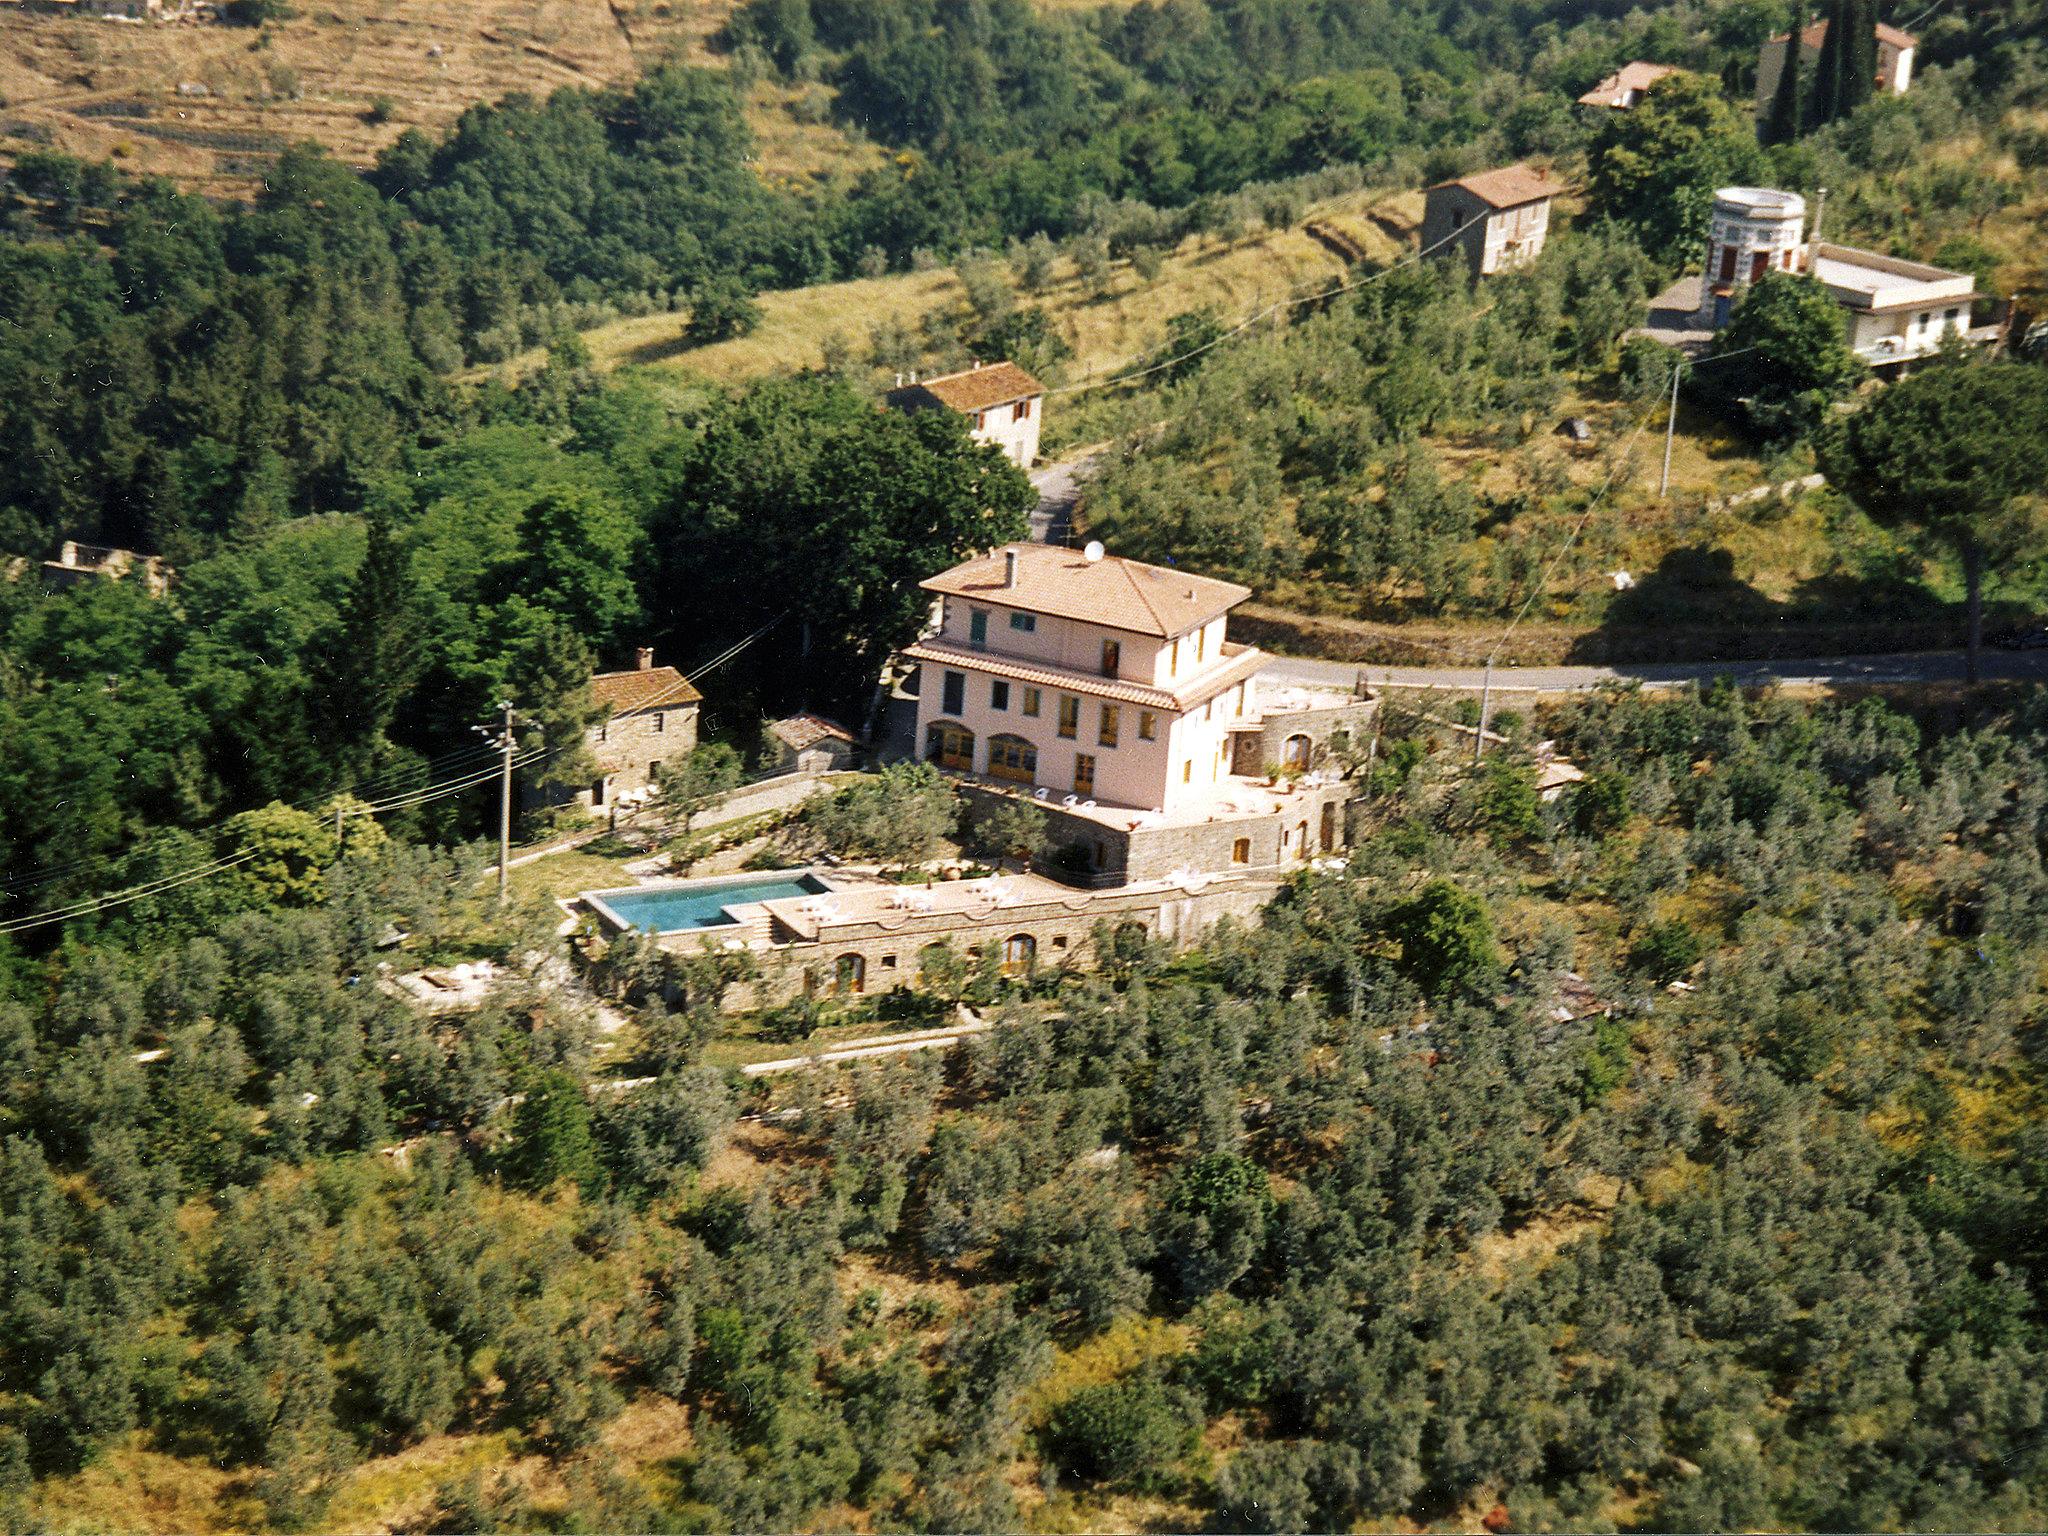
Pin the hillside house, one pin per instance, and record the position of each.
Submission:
(1895, 54)
(1620, 91)
(1107, 692)
(650, 717)
(77, 563)
(1897, 311)
(808, 744)
(1004, 405)
(1499, 219)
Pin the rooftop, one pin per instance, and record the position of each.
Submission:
(1509, 187)
(1817, 34)
(1637, 77)
(1232, 798)
(1115, 593)
(944, 904)
(642, 688)
(797, 732)
(1236, 664)
(1868, 280)
(976, 388)
(1761, 202)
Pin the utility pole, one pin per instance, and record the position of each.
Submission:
(1670, 430)
(1485, 701)
(505, 743)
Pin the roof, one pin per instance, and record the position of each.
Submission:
(1872, 281)
(1817, 34)
(797, 732)
(1115, 593)
(1239, 662)
(642, 688)
(1509, 187)
(1637, 76)
(977, 388)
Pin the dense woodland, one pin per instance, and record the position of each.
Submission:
(1335, 1220)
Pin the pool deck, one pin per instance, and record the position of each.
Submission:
(738, 913)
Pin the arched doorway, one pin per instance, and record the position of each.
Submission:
(1329, 826)
(950, 745)
(1301, 840)
(1012, 758)
(850, 976)
(1294, 752)
(1020, 950)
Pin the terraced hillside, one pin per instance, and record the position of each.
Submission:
(209, 105)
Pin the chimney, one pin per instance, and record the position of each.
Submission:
(645, 656)
(1009, 567)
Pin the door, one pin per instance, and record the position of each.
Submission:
(1330, 827)
(977, 627)
(1084, 774)
(1294, 752)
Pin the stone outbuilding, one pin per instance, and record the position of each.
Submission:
(807, 744)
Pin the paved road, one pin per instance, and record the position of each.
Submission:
(1920, 667)
(1059, 488)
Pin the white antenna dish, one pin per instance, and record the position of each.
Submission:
(1094, 551)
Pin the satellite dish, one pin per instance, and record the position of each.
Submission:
(1093, 552)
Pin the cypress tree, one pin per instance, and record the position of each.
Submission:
(1782, 125)
(1827, 74)
(1859, 54)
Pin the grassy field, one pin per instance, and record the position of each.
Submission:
(1107, 326)
(352, 74)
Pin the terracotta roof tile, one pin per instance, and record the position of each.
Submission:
(1121, 594)
(1509, 187)
(800, 731)
(1637, 76)
(642, 688)
(976, 389)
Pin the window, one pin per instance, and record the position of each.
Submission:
(604, 730)
(1241, 851)
(1728, 255)
(1070, 716)
(1294, 753)
(1031, 701)
(1111, 717)
(980, 421)
(950, 746)
(1173, 658)
(1022, 412)
(1026, 622)
(660, 721)
(888, 962)
(1148, 725)
(1201, 639)
(1012, 758)
(977, 626)
(1112, 658)
(953, 696)
(1759, 264)
(1084, 774)
(850, 975)
(1187, 771)
(1329, 826)
(1238, 707)
(653, 768)
(998, 694)
(1019, 951)
(1059, 941)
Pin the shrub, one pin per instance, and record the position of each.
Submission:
(1668, 950)
(1129, 1432)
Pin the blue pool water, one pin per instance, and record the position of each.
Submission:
(697, 903)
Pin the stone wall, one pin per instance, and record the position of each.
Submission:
(1289, 836)
(1254, 751)
(1061, 933)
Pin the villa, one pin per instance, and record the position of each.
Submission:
(1175, 789)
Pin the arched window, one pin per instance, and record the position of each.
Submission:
(850, 976)
(1019, 951)
(1294, 753)
(1012, 758)
(950, 745)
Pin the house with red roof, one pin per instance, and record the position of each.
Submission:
(1497, 220)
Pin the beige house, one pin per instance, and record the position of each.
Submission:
(1499, 219)
(1004, 405)
(1895, 53)
(651, 716)
(1108, 692)
(1620, 91)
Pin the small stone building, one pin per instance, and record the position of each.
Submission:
(808, 744)
(1620, 91)
(1497, 219)
(652, 717)
(1003, 405)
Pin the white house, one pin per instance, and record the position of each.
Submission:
(1620, 91)
(1895, 53)
(1004, 405)
(1499, 219)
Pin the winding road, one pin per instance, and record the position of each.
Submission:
(1910, 667)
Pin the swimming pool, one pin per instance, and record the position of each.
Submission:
(693, 904)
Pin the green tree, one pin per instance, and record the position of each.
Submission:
(897, 816)
(1784, 121)
(1446, 938)
(1003, 828)
(1787, 356)
(289, 851)
(1129, 1432)
(695, 782)
(551, 1136)
(1655, 167)
(366, 668)
(1958, 452)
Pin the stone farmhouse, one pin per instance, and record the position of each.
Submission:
(1176, 789)
(1497, 219)
(650, 717)
(1898, 311)
(1620, 91)
(1895, 54)
(1004, 405)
